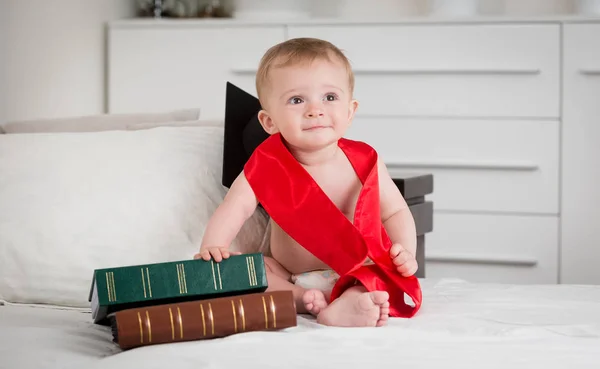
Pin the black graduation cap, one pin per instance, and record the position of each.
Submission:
(243, 132)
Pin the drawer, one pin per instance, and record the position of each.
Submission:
(582, 50)
(580, 169)
(450, 70)
(478, 165)
(172, 67)
(493, 248)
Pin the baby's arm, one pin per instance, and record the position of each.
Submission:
(238, 205)
(398, 222)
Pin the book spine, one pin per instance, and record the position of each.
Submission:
(239, 273)
(203, 319)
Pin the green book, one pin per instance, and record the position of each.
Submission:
(133, 286)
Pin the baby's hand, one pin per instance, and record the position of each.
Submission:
(218, 253)
(404, 260)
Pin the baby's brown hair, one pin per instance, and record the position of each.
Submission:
(296, 51)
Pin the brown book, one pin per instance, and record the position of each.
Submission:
(203, 319)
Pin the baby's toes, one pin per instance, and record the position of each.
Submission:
(384, 313)
(308, 297)
(314, 301)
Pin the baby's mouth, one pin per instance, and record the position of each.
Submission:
(315, 128)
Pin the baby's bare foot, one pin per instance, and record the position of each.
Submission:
(384, 313)
(314, 301)
(357, 308)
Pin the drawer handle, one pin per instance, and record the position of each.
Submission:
(482, 260)
(456, 164)
(244, 70)
(458, 71)
(590, 71)
(430, 71)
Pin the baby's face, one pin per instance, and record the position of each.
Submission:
(310, 105)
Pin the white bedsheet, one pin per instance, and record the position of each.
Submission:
(460, 325)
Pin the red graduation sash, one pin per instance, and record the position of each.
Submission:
(299, 206)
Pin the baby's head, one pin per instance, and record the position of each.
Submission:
(305, 87)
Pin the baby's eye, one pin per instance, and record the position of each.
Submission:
(330, 97)
(295, 100)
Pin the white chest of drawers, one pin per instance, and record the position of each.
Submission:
(502, 112)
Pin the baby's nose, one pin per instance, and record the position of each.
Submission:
(314, 112)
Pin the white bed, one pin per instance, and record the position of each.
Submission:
(461, 325)
(142, 192)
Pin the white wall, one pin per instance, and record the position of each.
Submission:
(55, 56)
(2, 63)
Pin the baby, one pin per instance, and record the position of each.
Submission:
(305, 87)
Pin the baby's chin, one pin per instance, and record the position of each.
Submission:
(316, 142)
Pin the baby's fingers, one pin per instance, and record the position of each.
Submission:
(410, 268)
(226, 253)
(217, 254)
(402, 258)
(395, 250)
(204, 254)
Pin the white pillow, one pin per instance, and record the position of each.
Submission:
(74, 202)
(183, 123)
(98, 122)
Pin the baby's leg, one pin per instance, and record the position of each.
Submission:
(307, 300)
(357, 307)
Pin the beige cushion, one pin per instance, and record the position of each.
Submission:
(100, 122)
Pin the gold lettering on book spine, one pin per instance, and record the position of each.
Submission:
(219, 273)
(172, 326)
(253, 271)
(178, 278)
(249, 273)
(211, 318)
(180, 323)
(212, 265)
(110, 286)
(243, 315)
(273, 312)
(203, 321)
(181, 278)
(234, 316)
(149, 285)
(266, 316)
(149, 326)
(143, 281)
(184, 280)
(114, 289)
(141, 329)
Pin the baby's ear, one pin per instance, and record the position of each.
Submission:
(267, 122)
(352, 110)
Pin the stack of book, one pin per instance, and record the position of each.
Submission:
(188, 300)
